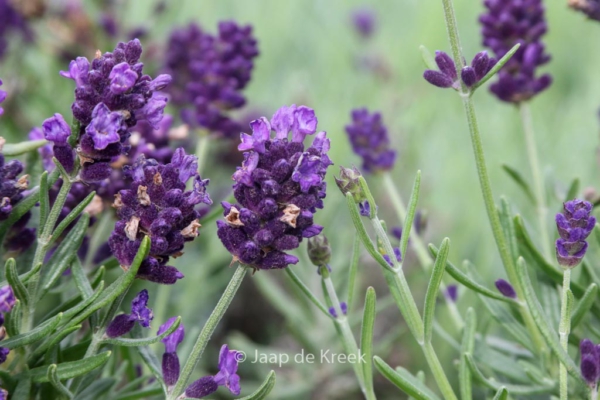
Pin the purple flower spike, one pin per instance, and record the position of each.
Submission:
(209, 73)
(278, 188)
(227, 375)
(122, 78)
(590, 362)
(506, 23)
(574, 226)
(7, 299)
(170, 360)
(506, 289)
(158, 205)
(369, 138)
(201, 388)
(140, 312)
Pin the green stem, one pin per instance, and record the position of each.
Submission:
(564, 330)
(422, 254)
(345, 333)
(202, 149)
(207, 331)
(594, 393)
(538, 182)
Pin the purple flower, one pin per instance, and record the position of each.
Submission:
(506, 23)
(590, 362)
(364, 21)
(574, 226)
(157, 204)
(447, 77)
(278, 188)
(7, 299)
(591, 8)
(451, 293)
(2, 98)
(45, 151)
(140, 312)
(227, 375)
(152, 142)
(209, 72)
(201, 387)
(343, 307)
(58, 131)
(170, 360)
(369, 138)
(506, 289)
(11, 187)
(112, 94)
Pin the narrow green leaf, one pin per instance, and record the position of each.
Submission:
(145, 341)
(508, 227)
(145, 393)
(75, 212)
(51, 342)
(13, 322)
(33, 335)
(467, 346)
(44, 200)
(24, 278)
(81, 281)
(53, 378)
(369, 196)
(10, 271)
(152, 362)
(264, 389)
(540, 320)
(464, 279)
(70, 369)
(498, 65)
(584, 305)
(520, 181)
(404, 381)
(71, 312)
(573, 190)
(352, 271)
(501, 394)
(366, 337)
(434, 287)
(63, 257)
(16, 149)
(304, 289)
(428, 58)
(99, 389)
(514, 389)
(410, 214)
(507, 321)
(63, 172)
(23, 389)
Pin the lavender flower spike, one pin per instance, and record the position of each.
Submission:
(170, 360)
(506, 289)
(158, 205)
(140, 312)
(574, 226)
(369, 138)
(506, 23)
(279, 187)
(590, 362)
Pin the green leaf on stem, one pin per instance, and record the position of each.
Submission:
(404, 381)
(520, 181)
(501, 394)
(514, 389)
(497, 67)
(54, 380)
(467, 281)
(366, 337)
(410, 214)
(428, 58)
(72, 215)
(434, 287)
(508, 227)
(19, 289)
(540, 320)
(71, 312)
(33, 335)
(13, 322)
(143, 341)
(51, 342)
(264, 389)
(23, 389)
(152, 363)
(584, 305)
(44, 200)
(24, 278)
(353, 270)
(370, 199)
(68, 370)
(467, 346)
(16, 149)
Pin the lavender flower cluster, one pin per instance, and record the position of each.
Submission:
(279, 187)
(369, 139)
(157, 205)
(590, 362)
(209, 73)
(447, 76)
(506, 23)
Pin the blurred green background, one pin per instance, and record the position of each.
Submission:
(311, 55)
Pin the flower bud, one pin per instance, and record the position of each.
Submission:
(349, 182)
(319, 250)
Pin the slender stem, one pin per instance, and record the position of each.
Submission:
(422, 254)
(538, 181)
(202, 149)
(353, 271)
(344, 331)
(484, 180)
(207, 331)
(438, 371)
(564, 330)
(594, 393)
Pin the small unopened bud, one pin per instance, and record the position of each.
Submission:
(506, 289)
(348, 182)
(319, 250)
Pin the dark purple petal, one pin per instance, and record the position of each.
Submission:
(505, 288)
(446, 65)
(438, 79)
(120, 325)
(170, 368)
(201, 388)
(174, 339)
(140, 310)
